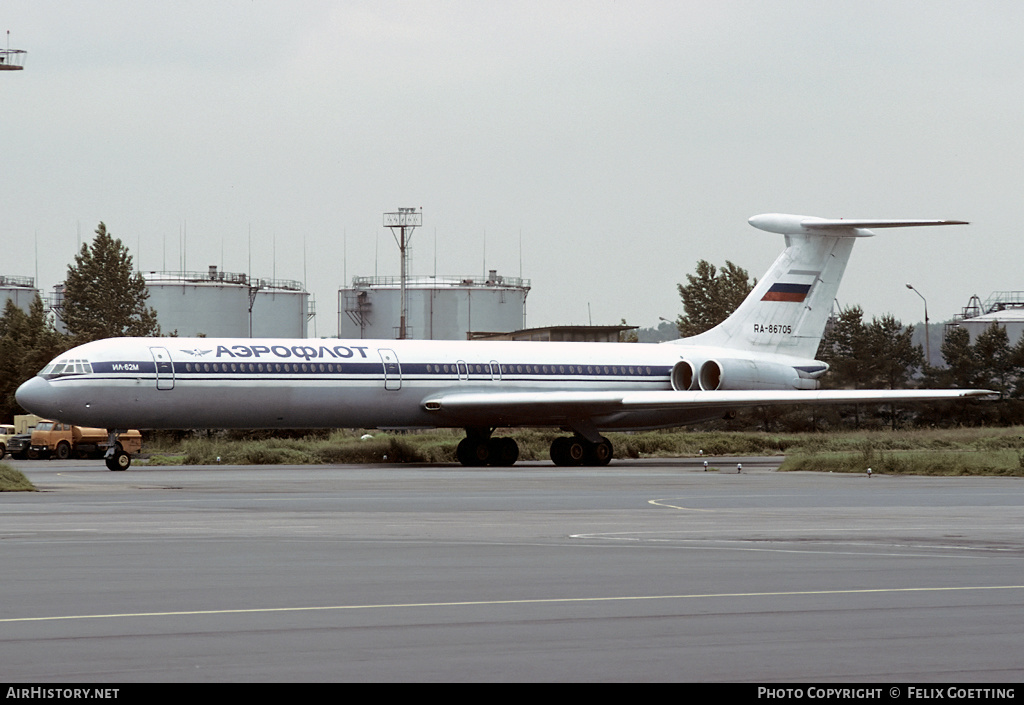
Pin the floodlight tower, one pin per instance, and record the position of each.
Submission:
(12, 59)
(402, 224)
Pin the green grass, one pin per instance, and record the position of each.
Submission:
(930, 451)
(949, 463)
(336, 447)
(438, 446)
(12, 480)
(948, 452)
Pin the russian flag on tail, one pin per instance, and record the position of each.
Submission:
(787, 292)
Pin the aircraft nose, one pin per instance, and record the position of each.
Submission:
(38, 396)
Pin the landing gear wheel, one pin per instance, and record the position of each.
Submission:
(566, 451)
(118, 461)
(559, 452)
(473, 452)
(504, 451)
(599, 453)
(577, 450)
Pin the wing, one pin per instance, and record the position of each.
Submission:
(487, 408)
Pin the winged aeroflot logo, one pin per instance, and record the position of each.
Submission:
(196, 352)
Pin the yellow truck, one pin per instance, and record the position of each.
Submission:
(61, 440)
(17, 445)
(7, 432)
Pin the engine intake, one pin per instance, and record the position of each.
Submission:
(683, 375)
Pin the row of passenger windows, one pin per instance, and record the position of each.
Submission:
(431, 368)
(540, 369)
(261, 367)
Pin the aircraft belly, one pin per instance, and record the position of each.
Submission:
(288, 406)
(208, 404)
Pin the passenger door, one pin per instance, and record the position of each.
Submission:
(392, 369)
(164, 368)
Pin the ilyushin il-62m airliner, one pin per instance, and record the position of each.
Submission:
(762, 354)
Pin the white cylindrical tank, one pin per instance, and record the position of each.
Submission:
(280, 310)
(214, 304)
(1010, 319)
(440, 307)
(1003, 308)
(20, 290)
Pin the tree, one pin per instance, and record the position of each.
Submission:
(103, 297)
(843, 347)
(27, 342)
(869, 355)
(1017, 365)
(710, 296)
(958, 353)
(894, 358)
(13, 334)
(992, 350)
(666, 330)
(989, 363)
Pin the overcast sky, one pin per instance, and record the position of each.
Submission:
(599, 148)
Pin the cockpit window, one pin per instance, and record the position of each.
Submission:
(64, 367)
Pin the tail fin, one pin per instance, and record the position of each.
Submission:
(787, 310)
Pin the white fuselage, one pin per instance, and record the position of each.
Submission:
(277, 383)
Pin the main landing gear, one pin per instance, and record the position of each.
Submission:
(478, 449)
(577, 450)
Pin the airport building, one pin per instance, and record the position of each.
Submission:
(439, 307)
(562, 334)
(21, 290)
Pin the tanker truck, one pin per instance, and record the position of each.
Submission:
(61, 440)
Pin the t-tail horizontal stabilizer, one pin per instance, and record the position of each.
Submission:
(786, 224)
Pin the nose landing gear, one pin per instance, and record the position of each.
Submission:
(118, 461)
(115, 458)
